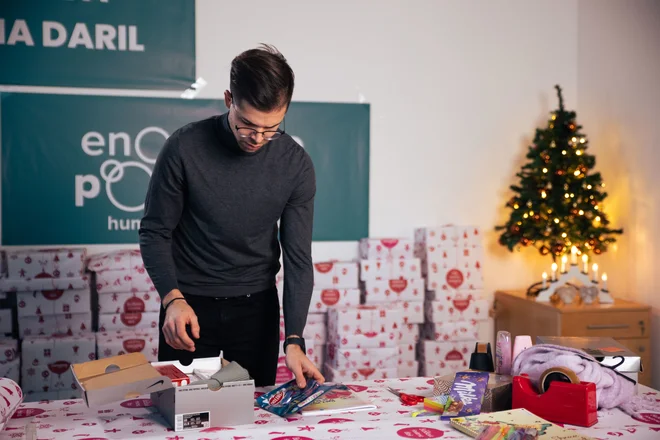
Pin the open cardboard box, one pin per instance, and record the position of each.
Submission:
(185, 407)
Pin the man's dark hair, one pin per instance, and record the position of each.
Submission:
(262, 78)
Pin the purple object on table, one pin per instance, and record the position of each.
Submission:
(467, 394)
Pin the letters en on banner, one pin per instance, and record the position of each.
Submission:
(75, 169)
(127, 44)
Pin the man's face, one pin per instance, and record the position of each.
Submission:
(251, 127)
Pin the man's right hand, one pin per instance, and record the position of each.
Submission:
(178, 315)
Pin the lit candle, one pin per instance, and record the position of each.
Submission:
(554, 271)
(604, 282)
(574, 252)
(585, 259)
(545, 279)
(564, 259)
(595, 269)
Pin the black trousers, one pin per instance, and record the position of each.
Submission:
(245, 328)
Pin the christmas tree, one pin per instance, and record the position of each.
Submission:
(557, 203)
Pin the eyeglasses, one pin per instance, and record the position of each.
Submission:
(268, 135)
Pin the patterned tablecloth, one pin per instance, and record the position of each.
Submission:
(137, 419)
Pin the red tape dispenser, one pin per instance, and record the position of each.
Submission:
(563, 397)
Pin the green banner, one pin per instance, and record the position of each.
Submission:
(75, 168)
(127, 44)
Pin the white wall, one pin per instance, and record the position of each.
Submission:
(619, 104)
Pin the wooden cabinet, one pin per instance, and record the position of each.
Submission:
(626, 321)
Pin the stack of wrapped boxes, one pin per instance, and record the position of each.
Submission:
(53, 302)
(452, 265)
(391, 274)
(335, 285)
(128, 305)
(10, 363)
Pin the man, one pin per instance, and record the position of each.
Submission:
(209, 235)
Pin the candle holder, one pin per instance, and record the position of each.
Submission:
(567, 277)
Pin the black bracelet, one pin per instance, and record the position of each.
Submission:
(168, 304)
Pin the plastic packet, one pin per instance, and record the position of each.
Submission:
(289, 398)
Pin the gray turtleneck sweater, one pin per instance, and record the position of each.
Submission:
(211, 212)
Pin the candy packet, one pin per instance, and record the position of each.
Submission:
(288, 398)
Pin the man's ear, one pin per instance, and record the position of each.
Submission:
(227, 98)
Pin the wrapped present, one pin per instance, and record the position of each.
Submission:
(358, 358)
(47, 263)
(46, 325)
(410, 333)
(128, 321)
(124, 259)
(407, 352)
(118, 342)
(456, 308)
(129, 302)
(322, 299)
(451, 331)
(387, 291)
(386, 248)
(365, 326)
(122, 281)
(336, 275)
(11, 369)
(412, 311)
(406, 269)
(53, 302)
(371, 373)
(408, 369)
(34, 284)
(8, 349)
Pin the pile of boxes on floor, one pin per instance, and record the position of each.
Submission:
(407, 307)
(58, 325)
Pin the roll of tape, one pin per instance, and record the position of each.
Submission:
(557, 374)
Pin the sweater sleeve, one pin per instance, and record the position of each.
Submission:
(296, 240)
(162, 210)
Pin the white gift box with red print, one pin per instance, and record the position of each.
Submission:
(409, 268)
(441, 368)
(367, 373)
(452, 279)
(48, 325)
(412, 311)
(128, 321)
(116, 343)
(129, 302)
(358, 358)
(121, 281)
(8, 349)
(46, 361)
(410, 333)
(6, 321)
(456, 308)
(29, 285)
(124, 259)
(366, 326)
(11, 369)
(407, 352)
(384, 291)
(449, 236)
(336, 275)
(439, 351)
(408, 369)
(322, 299)
(386, 248)
(48, 263)
(451, 331)
(53, 302)
(315, 331)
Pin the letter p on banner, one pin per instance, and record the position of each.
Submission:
(87, 187)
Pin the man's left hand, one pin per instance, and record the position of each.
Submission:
(298, 362)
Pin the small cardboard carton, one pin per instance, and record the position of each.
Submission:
(117, 378)
(184, 407)
(191, 407)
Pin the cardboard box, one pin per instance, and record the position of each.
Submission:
(407, 269)
(322, 299)
(410, 333)
(456, 309)
(47, 325)
(358, 358)
(53, 302)
(335, 375)
(498, 392)
(46, 361)
(386, 248)
(191, 407)
(50, 263)
(110, 303)
(408, 369)
(29, 285)
(8, 349)
(451, 331)
(128, 321)
(122, 281)
(119, 342)
(124, 259)
(606, 350)
(336, 275)
(365, 326)
(387, 291)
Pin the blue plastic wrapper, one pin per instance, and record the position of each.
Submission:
(289, 398)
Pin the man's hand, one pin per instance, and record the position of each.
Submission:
(301, 366)
(178, 315)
